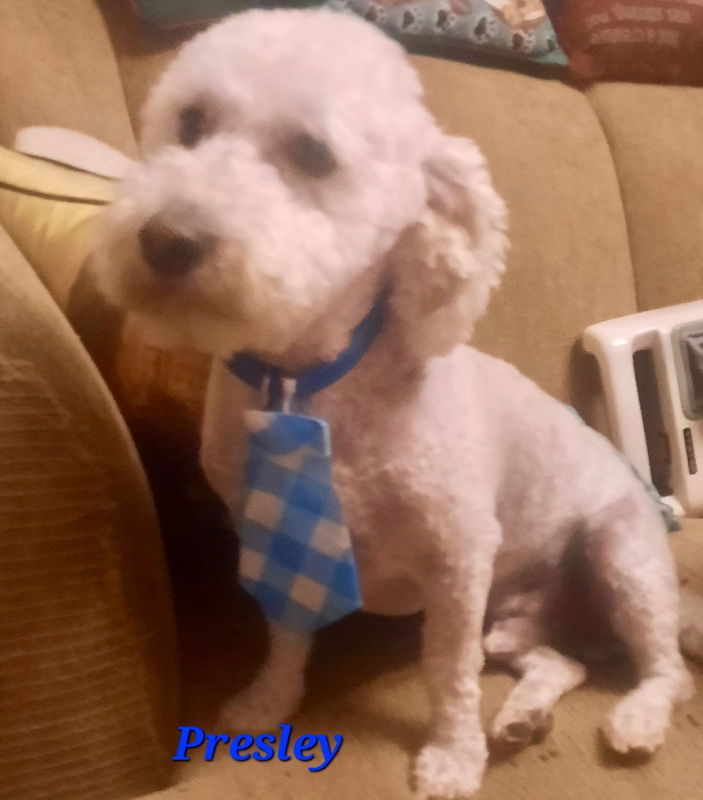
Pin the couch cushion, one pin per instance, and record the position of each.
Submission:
(655, 135)
(569, 263)
(57, 68)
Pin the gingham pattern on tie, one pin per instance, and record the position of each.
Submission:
(295, 552)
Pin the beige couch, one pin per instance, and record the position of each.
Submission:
(605, 189)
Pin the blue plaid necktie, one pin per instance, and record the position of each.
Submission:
(296, 556)
(295, 553)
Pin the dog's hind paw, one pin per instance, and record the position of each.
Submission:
(449, 773)
(519, 727)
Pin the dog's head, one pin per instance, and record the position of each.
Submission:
(289, 169)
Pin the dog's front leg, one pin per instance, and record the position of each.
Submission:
(452, 762)
(276, 692)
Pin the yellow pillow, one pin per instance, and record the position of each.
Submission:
(50, 212)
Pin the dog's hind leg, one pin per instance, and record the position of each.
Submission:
(544, 676)
(277, 690)
(629, 552)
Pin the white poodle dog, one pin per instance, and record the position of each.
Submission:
(290, 172)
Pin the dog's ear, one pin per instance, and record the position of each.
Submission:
(445, 265)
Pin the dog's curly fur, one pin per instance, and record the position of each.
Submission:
(465, 487)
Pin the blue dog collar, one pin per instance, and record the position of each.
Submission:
(257, 373)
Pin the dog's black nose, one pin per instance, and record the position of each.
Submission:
(167, 252)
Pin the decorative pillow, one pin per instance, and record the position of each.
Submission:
(519, 29)
(660, 41)
(51, 212)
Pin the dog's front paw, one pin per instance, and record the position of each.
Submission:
(256, 710)
(636, 727)
(639, 722)
(449, 772)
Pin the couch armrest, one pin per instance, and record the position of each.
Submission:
(88, 670)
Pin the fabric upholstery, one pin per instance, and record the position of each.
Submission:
(655, 134)
(87, 671)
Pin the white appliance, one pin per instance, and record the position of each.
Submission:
(652, 369)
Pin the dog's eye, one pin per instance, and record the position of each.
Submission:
(310, 155)
(193, 125)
